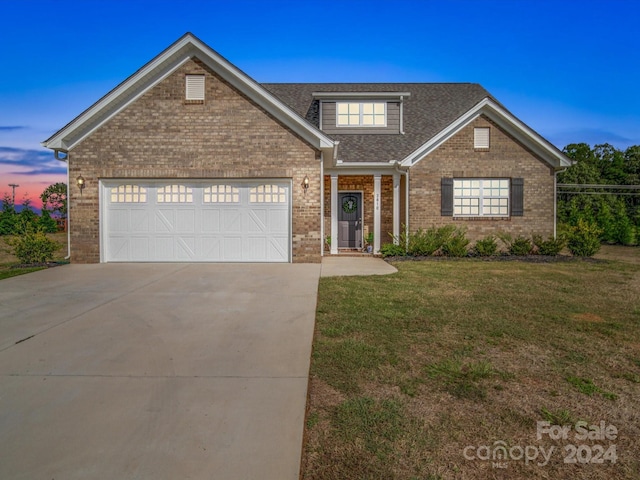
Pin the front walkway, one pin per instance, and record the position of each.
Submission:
(344, 266)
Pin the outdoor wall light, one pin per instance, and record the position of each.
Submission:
(81, 183)
(305, 184)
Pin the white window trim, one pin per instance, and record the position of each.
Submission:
(360, 125)
(482, 138)
(194, 87)
(481, 197)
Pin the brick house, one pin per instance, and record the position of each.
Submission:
(190, 159)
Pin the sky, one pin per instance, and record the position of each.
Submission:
(567, 68)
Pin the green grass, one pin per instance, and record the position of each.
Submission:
(408, 369)
(7, 272)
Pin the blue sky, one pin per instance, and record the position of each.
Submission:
(567, 68)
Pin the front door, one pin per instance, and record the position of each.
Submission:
(350, 220)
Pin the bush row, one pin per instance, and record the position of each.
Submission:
(582, 239)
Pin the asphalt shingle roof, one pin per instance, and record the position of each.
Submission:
(429, 109)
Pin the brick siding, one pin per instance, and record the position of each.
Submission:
(160, 135)
(506, 157)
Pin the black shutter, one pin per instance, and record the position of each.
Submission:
(446, 205)
(517, 197)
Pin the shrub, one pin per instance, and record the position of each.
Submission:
(456, 244)
(584, 239)
(33, 246)
(392, 250)
(516, 246)
(551, 246)
(46, 223)
(427, 242)
(486, 247)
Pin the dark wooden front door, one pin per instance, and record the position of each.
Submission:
(350, 220)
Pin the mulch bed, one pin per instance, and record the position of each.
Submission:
(497, 258)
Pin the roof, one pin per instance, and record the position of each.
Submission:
(432, 113)
(186, 47)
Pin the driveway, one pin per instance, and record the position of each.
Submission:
(155, 371)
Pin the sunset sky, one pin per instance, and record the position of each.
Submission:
(569, 69)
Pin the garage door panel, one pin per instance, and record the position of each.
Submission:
(232, 220)
(214, 224)
(139, 221)
(211, 220)
(165, 221)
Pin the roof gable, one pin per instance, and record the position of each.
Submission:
(505, 120)
(185, 48)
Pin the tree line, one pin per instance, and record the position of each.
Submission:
(605, 204)
(54, 205)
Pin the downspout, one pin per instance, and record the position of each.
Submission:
(56, 154)
(321, 204)
(401, 115)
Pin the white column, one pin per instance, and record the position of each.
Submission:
(334, 213)
(396, 206)
(376, 212)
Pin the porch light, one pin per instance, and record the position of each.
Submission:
(81, 183)
(305, 184)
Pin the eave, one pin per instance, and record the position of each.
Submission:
(184, 49)
(506, 121)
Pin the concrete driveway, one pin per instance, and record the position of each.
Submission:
(155, 371)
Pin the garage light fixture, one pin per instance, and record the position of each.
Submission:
(305, 184)
(81, 183)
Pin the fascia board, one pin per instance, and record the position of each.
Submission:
(163, 65)
(504, 120)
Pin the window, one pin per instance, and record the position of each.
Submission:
(369, 114)
(268, 194)
(195, 87)
(221, 194)
(481, 197)
(175, 194)
(481, 137)
(128, 194)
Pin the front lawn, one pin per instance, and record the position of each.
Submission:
(10, 265)
(438, 370)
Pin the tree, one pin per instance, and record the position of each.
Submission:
(54, 199)
(8, 216)
(46, 223)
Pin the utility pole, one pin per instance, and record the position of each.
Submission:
(13, 187)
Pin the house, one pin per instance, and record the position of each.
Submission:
(190, 159)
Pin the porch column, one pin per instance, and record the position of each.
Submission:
(334, 213)
(376, 213)
(396, 207)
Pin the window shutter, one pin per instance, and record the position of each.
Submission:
(195, 87)
(517, 197)
(446, 204)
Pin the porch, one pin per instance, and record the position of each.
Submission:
(362, 208)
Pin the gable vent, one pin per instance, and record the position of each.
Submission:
(195, 87)
(481, 137)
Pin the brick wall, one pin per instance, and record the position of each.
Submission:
(505, 158)
(161, 136)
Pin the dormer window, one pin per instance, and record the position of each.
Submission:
(361, 114)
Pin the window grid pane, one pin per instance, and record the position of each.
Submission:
(221, 194)
(128, 194)
(491, 194)
(267, 194)
(366, 114)
(175, 194)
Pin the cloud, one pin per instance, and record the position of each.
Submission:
(10, 128)
(31, 162)
(591, 136)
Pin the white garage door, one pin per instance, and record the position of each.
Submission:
(196, 221)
